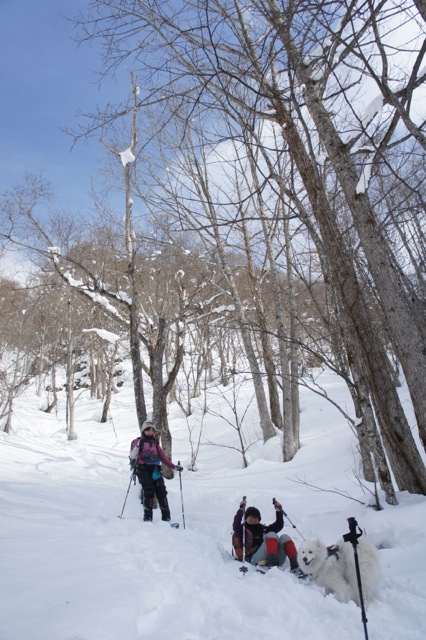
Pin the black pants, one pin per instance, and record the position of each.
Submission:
(153, 488)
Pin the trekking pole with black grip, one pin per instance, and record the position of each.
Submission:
(132, 478)
(133, 464)
(244, 568)
(352, 537)
(292, 524)
(181, 495)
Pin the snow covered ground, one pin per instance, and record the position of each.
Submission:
(72, 570)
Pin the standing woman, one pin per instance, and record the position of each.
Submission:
(149, 456)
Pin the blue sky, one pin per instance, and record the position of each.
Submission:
(45, 80)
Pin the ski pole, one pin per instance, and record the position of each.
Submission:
(132, 477)
(181, 495)
(244, 569)
(293, 525)
(352, 537)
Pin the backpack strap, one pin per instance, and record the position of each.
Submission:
(333, 550)
(133, 443)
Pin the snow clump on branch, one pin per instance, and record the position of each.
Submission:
(126, 157)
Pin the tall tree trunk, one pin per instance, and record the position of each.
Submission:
(109, 375)
(136, 359)
(404, 315)
(264, 417)
(294, 342)
(201, 185)
(368, 436)
(224, 364)
(93, 371)
(134, 307)
(70, 379)
(265, 341)
(54, 402)
(159, 393)
(347, 361)
(290, 390)
(404, 457)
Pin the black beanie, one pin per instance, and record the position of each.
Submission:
(252, 511)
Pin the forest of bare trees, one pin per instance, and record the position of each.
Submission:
(270, 157)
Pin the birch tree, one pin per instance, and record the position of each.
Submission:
(263, 58)
(405, 322)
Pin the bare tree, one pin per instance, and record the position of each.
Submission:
(237, 419)
(400, 310)
(208, 221)
(268, 67)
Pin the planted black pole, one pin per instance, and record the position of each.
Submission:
(244, 569)
(352, 537)
(132, 478)
(181, 495)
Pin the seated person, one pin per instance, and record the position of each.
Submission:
(260, 544)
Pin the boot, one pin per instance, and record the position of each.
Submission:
(147, 512)
(165, 511)
(296, 570)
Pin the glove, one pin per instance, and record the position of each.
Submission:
(243, 504)
(277, 506)
(178, 467)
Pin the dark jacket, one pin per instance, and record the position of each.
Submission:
(255, 533)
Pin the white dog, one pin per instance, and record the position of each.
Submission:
(334, 568)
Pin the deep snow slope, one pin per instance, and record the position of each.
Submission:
(72, 570)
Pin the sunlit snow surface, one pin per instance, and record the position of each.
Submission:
(72, 570)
